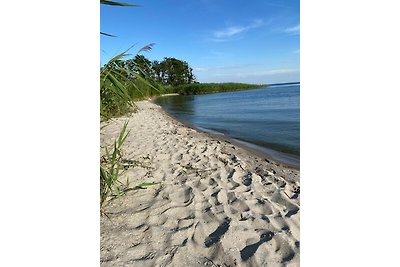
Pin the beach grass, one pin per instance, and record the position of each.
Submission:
(112, 166)
(119, 88)
(111, 169)
(207, 88)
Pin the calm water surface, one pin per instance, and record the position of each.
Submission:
(267, 118)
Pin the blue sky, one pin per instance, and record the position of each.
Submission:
(254, 41)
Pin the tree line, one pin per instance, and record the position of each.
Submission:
(125, 81)
(169, 71)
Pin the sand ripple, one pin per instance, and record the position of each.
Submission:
(217, 204)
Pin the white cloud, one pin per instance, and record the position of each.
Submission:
(294, 29)
(228, 32)
(258, 73)
(200, 69)
(223, 67)
(225, 34)
(259, 77)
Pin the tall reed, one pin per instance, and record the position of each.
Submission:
(111, 169)
(119, 87)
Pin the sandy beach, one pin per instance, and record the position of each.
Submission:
(217, 204)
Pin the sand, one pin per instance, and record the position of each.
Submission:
(217, 203)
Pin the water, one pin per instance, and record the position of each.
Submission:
(267, 119)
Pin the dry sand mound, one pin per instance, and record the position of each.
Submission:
(217, 204)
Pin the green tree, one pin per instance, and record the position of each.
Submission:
(140, 65)
(157, 71)
(172, 71)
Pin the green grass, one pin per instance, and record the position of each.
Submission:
(119, 88)
(207, 88)
(112, 166)
(111, 169)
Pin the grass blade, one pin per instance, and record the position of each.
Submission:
(113, 3)
(107, 34)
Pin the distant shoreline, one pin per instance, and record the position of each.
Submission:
(211, 88)
(289, 83)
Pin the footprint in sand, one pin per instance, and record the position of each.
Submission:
(182, 195)
(215, 236)
(232, 185)
(247, 180)
(249, 250)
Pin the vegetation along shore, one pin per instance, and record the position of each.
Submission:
(173, 196)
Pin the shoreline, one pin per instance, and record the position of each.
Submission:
(285, 159)
(217, 203)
